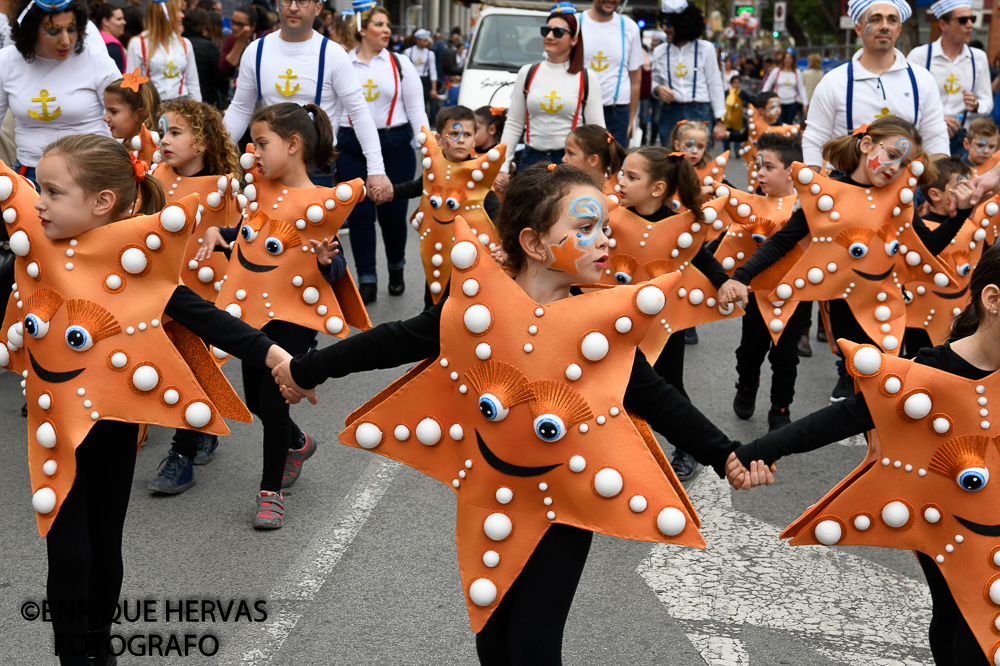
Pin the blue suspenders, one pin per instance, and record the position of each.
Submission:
(319, 74)
(670, 78)
(850, 96)
(971, 55)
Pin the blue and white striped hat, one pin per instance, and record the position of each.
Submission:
(344, 13)
(360, 6)
(856, 9)
(942, 7)
(566, 8)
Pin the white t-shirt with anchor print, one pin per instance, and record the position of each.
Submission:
(602, 52)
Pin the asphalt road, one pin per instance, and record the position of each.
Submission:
(365, 569)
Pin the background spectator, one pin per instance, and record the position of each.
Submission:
(812, 75)
(110, 20)
(214, 86)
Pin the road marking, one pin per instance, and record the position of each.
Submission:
(841, 605)
(289, 599)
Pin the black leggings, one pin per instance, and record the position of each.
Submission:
(265, 401)
(784, 356)
(846, 326)
(670, 364)
(952, 641)
(85, 541)
(527, 626)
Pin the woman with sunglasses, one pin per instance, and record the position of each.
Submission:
(553, 97)
(962, 73)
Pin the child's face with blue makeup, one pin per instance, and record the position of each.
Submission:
(578, 241)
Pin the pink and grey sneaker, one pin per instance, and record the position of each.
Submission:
(295, 458)
(270, 511)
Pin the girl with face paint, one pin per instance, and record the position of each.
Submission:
(553, 230)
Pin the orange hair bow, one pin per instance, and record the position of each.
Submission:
(610, 137)
(552, 167)
(139, 167)
(497, 110)
(862, 130)
(134, 80)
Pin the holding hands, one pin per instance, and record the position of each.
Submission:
(732, 291)
(293, 393)
(741, 478)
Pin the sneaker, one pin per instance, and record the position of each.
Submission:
(844, 388)
(175, 475)
(684, 464)
(368, 291)
(821, 333)
(691, 336)
(805, 349)
(270, 511)
(396, 284)
(777, 417)
(207, 444)
(295, 458)
(745, 401)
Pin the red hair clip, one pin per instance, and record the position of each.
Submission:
(139, 167)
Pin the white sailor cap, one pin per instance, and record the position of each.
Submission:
(942, 7)
(856, 9)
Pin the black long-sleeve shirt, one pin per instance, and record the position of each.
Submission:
(396, 343)
(843, 419)
(704, 260)
(218, 327)
(797, 228)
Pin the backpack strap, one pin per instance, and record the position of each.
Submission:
(527, 84)
(180, 90)
(581, 96)
(145, 61)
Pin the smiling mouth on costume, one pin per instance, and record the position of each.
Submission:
(510, 469)
(442, 221)
(50, 376)
(982, 530)
(249, 265)
(955, 295)
(875, 277)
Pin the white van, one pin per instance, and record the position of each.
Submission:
(505, 40)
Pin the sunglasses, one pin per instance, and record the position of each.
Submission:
(962, 20)
(557, 32)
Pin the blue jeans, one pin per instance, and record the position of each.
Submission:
(675, 112)
(616, 122)
(400, 166)
(531, 156)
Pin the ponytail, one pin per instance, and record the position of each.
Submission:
(595, 140)
(309, 122)
(677, 173)
(987, 272)
(151, 196)
(844, 153)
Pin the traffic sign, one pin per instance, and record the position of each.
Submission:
(779, 15)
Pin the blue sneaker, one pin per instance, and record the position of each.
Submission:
(207, 444)
(175, 475)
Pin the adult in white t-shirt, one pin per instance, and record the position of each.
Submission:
(60, 90)
(297, 64)
(551, 98)
(425, 61)
(962, 73)
(163, 55)
(395, 98)
(613, 50)
(786, 80)
(876, 82)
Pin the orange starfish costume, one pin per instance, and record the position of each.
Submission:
(145, 146)
(221, 209)
(925, 483)
(640, 250)
(452, 189)
(758, 125)
(521, 415)
(754, 219)
(272, 273)
(85, 328)
(864, 259)
(713, 171)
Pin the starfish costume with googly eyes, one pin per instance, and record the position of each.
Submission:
(754, 219)
(452, 189)
(925, 484)
(521, 415)
(220, 209)
(145, 146)
(272, 273)
(85, 327)
(640, 250)
(933, 309)
(863, 250)
(758, 126)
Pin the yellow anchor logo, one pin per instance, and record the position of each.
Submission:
(44, 115)
(885, 112)
(170, 70)
(680, 70)
(597, 60)
(551, 108)
(368, 86)
(949, 84)
(288, 76)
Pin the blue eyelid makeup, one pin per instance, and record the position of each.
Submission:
(587, 207)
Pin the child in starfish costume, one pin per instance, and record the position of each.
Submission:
(879, 249)
(132, 110)
(755, 218)
(522, 405)
(757, 127)
(86, 326)
(453, 183)
(593, 149)
(489, 127)
(286, 274)
(925, 484)
(198, 158)
(691, 138)
(982, 142)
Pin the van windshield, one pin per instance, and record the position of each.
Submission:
(507, 42)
